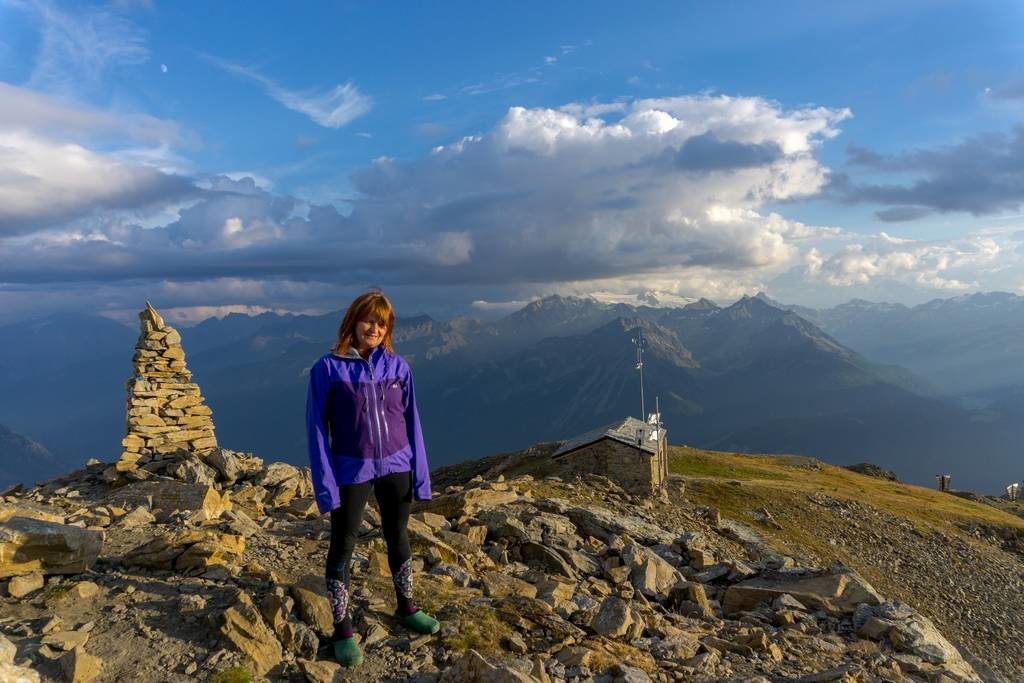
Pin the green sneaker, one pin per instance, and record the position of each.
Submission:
(420, 621)
(347, 652)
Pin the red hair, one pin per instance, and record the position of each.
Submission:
(369, 305)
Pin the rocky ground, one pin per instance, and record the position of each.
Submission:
(189, 569)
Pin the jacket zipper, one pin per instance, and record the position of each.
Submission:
(376, 414)
(383, 413)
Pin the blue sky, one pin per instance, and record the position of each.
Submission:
(471, 157)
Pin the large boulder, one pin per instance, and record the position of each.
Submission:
(32, 545)
(614, 618)
(649, 573)
(313, 606)
(168, 495)
(550, 560)
(232, 466)
(591, 520)
(910, 631)
(187, 549)
(244, 628)
(469, 502)
(838, 592)
(192, 470)
(504, 524)
(285, 483)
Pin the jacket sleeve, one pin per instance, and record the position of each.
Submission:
(325, 488)
(420, 467)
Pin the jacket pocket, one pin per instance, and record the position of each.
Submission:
(394, 415)
(349, 418)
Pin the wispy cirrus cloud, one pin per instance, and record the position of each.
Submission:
(79, 46)
(331, 108)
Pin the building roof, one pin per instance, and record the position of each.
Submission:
(623, 431)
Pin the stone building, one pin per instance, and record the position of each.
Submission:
(630, 452)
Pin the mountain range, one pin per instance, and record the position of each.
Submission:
(755, 376)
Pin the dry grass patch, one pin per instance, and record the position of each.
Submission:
(767, 479)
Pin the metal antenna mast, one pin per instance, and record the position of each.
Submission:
(640, 343)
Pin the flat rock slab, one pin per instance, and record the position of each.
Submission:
(473, 668)
(32, 545)
(838, 593)
(470, 501)
(187, 549)
(603, 523)
(169, 495)
(27, 508)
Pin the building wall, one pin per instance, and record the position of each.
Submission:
(636, 471)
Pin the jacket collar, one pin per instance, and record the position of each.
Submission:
(375, 355)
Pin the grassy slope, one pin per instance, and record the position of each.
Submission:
(778, 477)
(738, 484)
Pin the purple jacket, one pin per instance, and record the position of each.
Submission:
(362, 423)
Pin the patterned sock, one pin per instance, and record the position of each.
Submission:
(337, 594)
(403, 588)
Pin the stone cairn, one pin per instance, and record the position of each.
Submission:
(166, 411)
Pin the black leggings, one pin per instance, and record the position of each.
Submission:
(394, 498)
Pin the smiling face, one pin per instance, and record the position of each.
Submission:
(367, 324)
(369, 333)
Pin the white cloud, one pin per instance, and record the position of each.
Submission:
(63, 119)
(951, 266)
(331, 108)
(51, 169)
(43, 182)
(501, 306)
(663, 195)
(435, 97)
(625, 188)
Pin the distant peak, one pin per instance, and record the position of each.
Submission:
(702, 304)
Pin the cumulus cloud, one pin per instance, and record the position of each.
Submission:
(331, 108)
(670, 189)
(664, 195)
(982, 174)
(555, 195)
(951, 266)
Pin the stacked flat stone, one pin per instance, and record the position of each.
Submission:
(166, 410)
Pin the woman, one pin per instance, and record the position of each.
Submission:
(364, 433)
